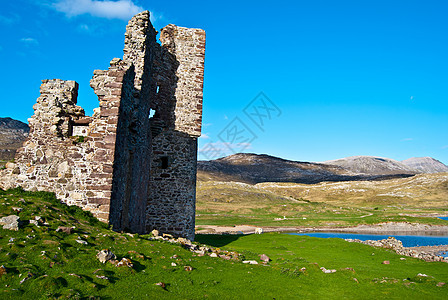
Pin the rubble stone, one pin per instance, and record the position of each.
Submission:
(10, 222)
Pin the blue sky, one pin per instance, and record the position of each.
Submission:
(339, 78)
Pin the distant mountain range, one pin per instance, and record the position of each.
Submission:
(256, 168)
(373, 165)
(12, 135)
(425, 164)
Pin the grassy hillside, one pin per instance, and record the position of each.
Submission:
(41, 263)
(325, 204)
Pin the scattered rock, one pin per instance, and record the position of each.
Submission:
(402, 258)
(34, 222)
(17, 209)
(125, 262)
(167, 235)
(76, 275)
(356, 280)
(173, 264)
(397, 246)
(68, 230)
(155, 232)
(10, 222)
(28, 276)
(327, 271)
(105, 255)
(213, 254)
(102, 277)
(440, 284)
(161, 284)
(82, 242)
(4, 272)
(188, 268)
(252, 262)
(386, 262)
(264, 257)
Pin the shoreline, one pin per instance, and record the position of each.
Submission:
(396, 228)
(428, 253)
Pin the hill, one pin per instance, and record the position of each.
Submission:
(373, 165)
(39, 261)
(425, 164)
(256, 168)
(12, 135)
(347, 203)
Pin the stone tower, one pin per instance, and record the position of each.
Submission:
(133, 163)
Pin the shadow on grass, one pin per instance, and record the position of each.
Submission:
(217, 240)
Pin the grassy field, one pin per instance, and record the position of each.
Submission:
(326, 204)
(40, 263)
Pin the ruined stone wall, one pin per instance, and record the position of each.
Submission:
(131, 168)
(175, 128)
(78, 170)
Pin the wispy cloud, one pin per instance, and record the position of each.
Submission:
(407, 140)
(122, 9)
(215, 150)
(204, 136)
(445, 147)
(29, 41)
(9, 20)
(84, 27)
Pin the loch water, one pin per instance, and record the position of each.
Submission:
(407, 240)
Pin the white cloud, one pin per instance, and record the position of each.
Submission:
(122, 9)
(445, 147)
(29, 41)
(203, 136)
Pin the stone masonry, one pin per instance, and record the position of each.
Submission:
(133, 162)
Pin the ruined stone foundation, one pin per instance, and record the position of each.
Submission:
(133, 163)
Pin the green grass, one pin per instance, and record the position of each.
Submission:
(290, 253)
(327, 204)
(61, 268)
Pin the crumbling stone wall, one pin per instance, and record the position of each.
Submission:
(135, 164)
(174, 148)
(78, 170)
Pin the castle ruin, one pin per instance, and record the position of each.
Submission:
(133, 162)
